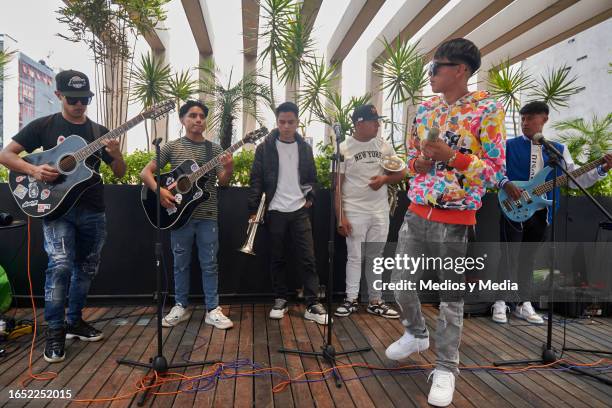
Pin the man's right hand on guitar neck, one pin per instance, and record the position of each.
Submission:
(45, 173)
(167, 198)
(513, 191)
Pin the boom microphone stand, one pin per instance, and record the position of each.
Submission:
(159, 363)
(549, 354)
(328, 352)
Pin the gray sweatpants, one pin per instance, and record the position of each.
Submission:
(418, 237)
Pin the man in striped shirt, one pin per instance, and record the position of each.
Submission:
(203, 223)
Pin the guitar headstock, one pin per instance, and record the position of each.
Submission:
(251, 137)
(158, 110)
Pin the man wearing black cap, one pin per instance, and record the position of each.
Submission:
(202, 227)
(365, 206)
(74, 241)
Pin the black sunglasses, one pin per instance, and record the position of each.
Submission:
(72, 100)
(433, 67)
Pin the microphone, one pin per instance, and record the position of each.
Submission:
(539, 138)
(433, 134)
(157, 141)
(337, 129)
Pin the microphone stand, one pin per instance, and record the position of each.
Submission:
(328, 351)
(159, 363)
(549, 355)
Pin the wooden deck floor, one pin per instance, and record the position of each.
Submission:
(91, 372)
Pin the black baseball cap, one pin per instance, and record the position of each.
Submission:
(365, 112)
(73, 83)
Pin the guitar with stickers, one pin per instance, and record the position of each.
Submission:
(186, 182)
(54, 199)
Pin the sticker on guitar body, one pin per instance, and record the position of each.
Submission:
(20, 191)
(43, 207)
(171, 210)
(32, 203)
(45, 194)
(19, 179)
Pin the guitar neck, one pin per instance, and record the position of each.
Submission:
(85, 152)
(214, 162)
(563, 180)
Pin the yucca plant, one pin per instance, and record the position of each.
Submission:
(297, 47)
(229, 100)
(275, 15)
(6, 56)
(556, 87)
(507, 84)
(181, 87)
(150, 81)
(403, 76)
(316, 88)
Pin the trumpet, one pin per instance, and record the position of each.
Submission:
(247, 248)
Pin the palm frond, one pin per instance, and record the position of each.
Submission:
(556, 87)
(150, 81)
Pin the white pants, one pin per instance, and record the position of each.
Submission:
(372, 227)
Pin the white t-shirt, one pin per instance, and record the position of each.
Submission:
(361, 162)
(288, 196)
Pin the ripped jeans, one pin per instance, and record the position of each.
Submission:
(73, 244)
(206, 235)
(420, 236)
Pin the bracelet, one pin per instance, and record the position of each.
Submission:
(450, 161)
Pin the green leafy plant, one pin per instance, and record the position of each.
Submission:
(588, 141)
(3, 174)
(243, 161)
(323, 164)
(134, 162)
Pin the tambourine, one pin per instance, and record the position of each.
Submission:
(392, 163)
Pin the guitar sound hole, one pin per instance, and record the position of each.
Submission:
(183, 185)
(67, 164)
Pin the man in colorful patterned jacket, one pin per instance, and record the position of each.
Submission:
(449, 176)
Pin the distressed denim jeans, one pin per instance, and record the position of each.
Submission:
(206, 235)
(419, 236)
(73, 244)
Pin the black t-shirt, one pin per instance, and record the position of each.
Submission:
(47, 132)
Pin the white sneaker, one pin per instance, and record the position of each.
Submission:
(405, 346)
(442, 388)
(526, 312)
(499, 312)
(177, 314)
(317, 313)
(279, 309)
(216, 318)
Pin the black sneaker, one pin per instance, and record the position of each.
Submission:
(346, 308)
(383, 309)
(54, 347)
(83, 331)
(316, 312)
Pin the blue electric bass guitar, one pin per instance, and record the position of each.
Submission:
(533, 197)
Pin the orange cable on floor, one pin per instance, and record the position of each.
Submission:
(47, 375)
